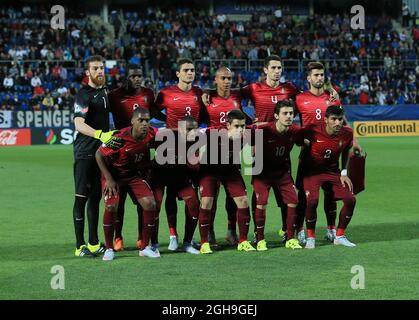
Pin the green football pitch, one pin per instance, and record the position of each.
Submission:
(36, 199)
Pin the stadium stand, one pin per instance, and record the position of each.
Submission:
(41, 69)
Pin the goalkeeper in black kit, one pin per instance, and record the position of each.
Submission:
(91, 120)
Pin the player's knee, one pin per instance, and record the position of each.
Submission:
(149, 204)
(349, 200)
(312, 203)
(112, 208)
(261, 206)
(192, 203)
(293, 205)
(242, 202)
(206, 203)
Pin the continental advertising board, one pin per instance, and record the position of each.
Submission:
(401, 128)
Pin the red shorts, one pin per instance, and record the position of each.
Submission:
(329, 181)
(137, 186)
(284, 184)
(232, 182)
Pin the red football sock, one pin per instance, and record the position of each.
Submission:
(291, 222)
(346, 212)
(311, 233)
(340, 232)
(119, 221)
(254, 210)
(301, 210)
(172, 231)
(243, 219)
(213, 212)
(149, 224)
(284, 216)
(108, 227)
(330, 208)
(155, 235)
(260, 223)
(191, 218)
(204, 223)
(140, 220)
(231, 209)
(171, 212)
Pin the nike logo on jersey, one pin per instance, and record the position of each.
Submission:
(306, 102)
(319, 140)
(174, 99)
(128, 150)
(96, 95)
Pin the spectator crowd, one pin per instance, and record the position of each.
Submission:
(42, 68)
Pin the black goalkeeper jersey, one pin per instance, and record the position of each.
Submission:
(92, 105)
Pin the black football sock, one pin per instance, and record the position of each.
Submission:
(93, 217)
(78, 219)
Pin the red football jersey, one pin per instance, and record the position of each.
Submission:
(123, 105)
(225, 161)
(174, 155)
(325, 150)
(132, 158)
(264, 98)
(179, 103)
(219, 108)
(312, 108)
(277, 147)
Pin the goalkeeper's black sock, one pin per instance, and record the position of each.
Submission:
(78, 219)
(93, 217)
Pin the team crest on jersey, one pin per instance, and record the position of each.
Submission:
(340, 143)
(79, 109)
(327, 102)
(196, 98)
(274, 99)
(282, 90)
(235, 104)
(145, 99)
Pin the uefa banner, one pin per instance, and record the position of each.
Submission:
(386, 128)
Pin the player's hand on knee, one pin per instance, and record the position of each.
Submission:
(111, 188)
(345, 180)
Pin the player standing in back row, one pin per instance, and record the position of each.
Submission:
(180, 100)
(91, 120)
(123, 102)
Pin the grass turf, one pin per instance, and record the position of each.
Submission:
(36, 199)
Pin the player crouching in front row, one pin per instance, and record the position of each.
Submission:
(328, 142)
(125, 168)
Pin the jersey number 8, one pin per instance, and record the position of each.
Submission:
(188, 111)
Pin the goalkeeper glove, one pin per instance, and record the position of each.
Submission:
(108, 139)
